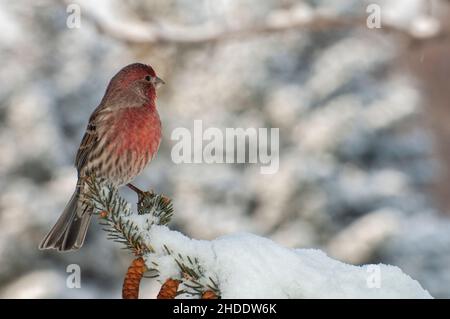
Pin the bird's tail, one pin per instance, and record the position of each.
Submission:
(70, 230)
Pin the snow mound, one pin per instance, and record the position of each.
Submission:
(248, 266)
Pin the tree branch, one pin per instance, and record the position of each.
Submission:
(138, 32)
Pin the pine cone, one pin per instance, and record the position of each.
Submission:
(209, 294)
(130, 288)
(169, 289)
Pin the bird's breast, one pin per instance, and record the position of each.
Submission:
(135, 135)
(137, 129)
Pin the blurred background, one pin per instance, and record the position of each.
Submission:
(363, 116)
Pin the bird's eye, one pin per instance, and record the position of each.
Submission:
(148, 78)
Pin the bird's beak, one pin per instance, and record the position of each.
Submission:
(157, 82)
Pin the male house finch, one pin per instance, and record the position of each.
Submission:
(122, 136)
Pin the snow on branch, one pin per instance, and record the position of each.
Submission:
(233, 266)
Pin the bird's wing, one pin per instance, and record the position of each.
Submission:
(88, 143)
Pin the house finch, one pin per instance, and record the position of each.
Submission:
(122, 136)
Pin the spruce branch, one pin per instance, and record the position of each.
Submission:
(159, 206)
(114, 213)
(193, 275)
(133, 231)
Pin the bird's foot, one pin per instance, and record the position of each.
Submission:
(140, 193)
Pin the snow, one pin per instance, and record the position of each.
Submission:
(249, 266)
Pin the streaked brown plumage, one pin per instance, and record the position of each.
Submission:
(122, 136)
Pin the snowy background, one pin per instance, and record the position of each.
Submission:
(363, 117)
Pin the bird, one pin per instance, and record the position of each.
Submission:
(123, 135)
